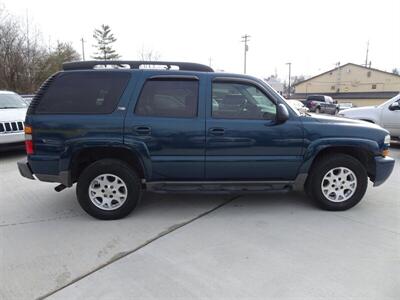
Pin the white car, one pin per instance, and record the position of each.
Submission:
(345, 105)
(12, 116)
(386, 115)
(296, 104)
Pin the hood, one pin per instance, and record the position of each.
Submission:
(338, 120)
(12, 114)
(359, 110)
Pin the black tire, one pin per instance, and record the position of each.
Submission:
(318, 110)
(322, 166)
(115, 167)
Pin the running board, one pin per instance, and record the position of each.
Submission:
(218, 186)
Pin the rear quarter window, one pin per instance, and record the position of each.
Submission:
(83, 93)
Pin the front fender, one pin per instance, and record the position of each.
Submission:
(315, 147)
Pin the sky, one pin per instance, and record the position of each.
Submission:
(312, 35)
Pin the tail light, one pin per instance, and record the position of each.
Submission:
(28, 140)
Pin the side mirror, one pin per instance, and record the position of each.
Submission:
(394, 106)
(282, 114)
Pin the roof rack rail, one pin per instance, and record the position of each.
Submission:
(183, 66)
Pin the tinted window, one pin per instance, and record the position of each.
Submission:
(85, 92)
(168, 98)
(241, 101)
(316, 98)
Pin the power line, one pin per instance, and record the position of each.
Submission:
(245, 39)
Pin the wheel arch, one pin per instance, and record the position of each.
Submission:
(362, 150)
(83, 157)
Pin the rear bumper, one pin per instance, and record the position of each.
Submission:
(383, 168)
(26, 171)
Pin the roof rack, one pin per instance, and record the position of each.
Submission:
(183, 66)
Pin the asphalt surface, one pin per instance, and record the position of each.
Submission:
(270, 246)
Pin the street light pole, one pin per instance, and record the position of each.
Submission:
(245, 39)
(290, 71)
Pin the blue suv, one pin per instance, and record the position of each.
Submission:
(118, 129)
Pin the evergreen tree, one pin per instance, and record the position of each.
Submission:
(105, 39)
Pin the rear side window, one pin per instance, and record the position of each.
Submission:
(168, 98)
(83, 93)
(316, 98)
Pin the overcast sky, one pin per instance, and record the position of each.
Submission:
(313, 35)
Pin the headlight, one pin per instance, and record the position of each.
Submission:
(386, 145)
(387, 140)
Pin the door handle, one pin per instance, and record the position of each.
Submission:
(142, 130)
(217, 131)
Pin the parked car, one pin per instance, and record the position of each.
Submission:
(296, 104)
(119, 132)
(27, 98)
(322, 104)
(12, 116)
(345, 105)
(386, 115)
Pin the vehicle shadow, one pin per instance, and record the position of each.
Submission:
(12, 154)
(283, 201)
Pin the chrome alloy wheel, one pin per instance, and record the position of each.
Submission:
(339, 184)
(108, 192)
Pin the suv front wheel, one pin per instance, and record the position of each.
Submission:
(337, 182)
(108, 189)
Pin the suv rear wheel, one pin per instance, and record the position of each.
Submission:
(108, 189)
(338, 182)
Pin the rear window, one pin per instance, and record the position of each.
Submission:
(83, 93)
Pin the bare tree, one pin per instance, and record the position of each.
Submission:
(52, 62)
(25, 61)
(149, 55)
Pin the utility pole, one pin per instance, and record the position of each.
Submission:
(83, 48)
(290, 75)
(366, 56)
(339, 77)
(245, 39)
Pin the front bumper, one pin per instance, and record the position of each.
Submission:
(11, 138)
(383, 168)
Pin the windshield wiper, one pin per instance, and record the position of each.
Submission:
(7, 107)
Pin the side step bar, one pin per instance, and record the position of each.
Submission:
(218, 187)
(225, 186)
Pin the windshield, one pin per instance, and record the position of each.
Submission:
(390, 100)
(11, 101)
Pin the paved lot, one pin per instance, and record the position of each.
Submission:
(195, 246)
